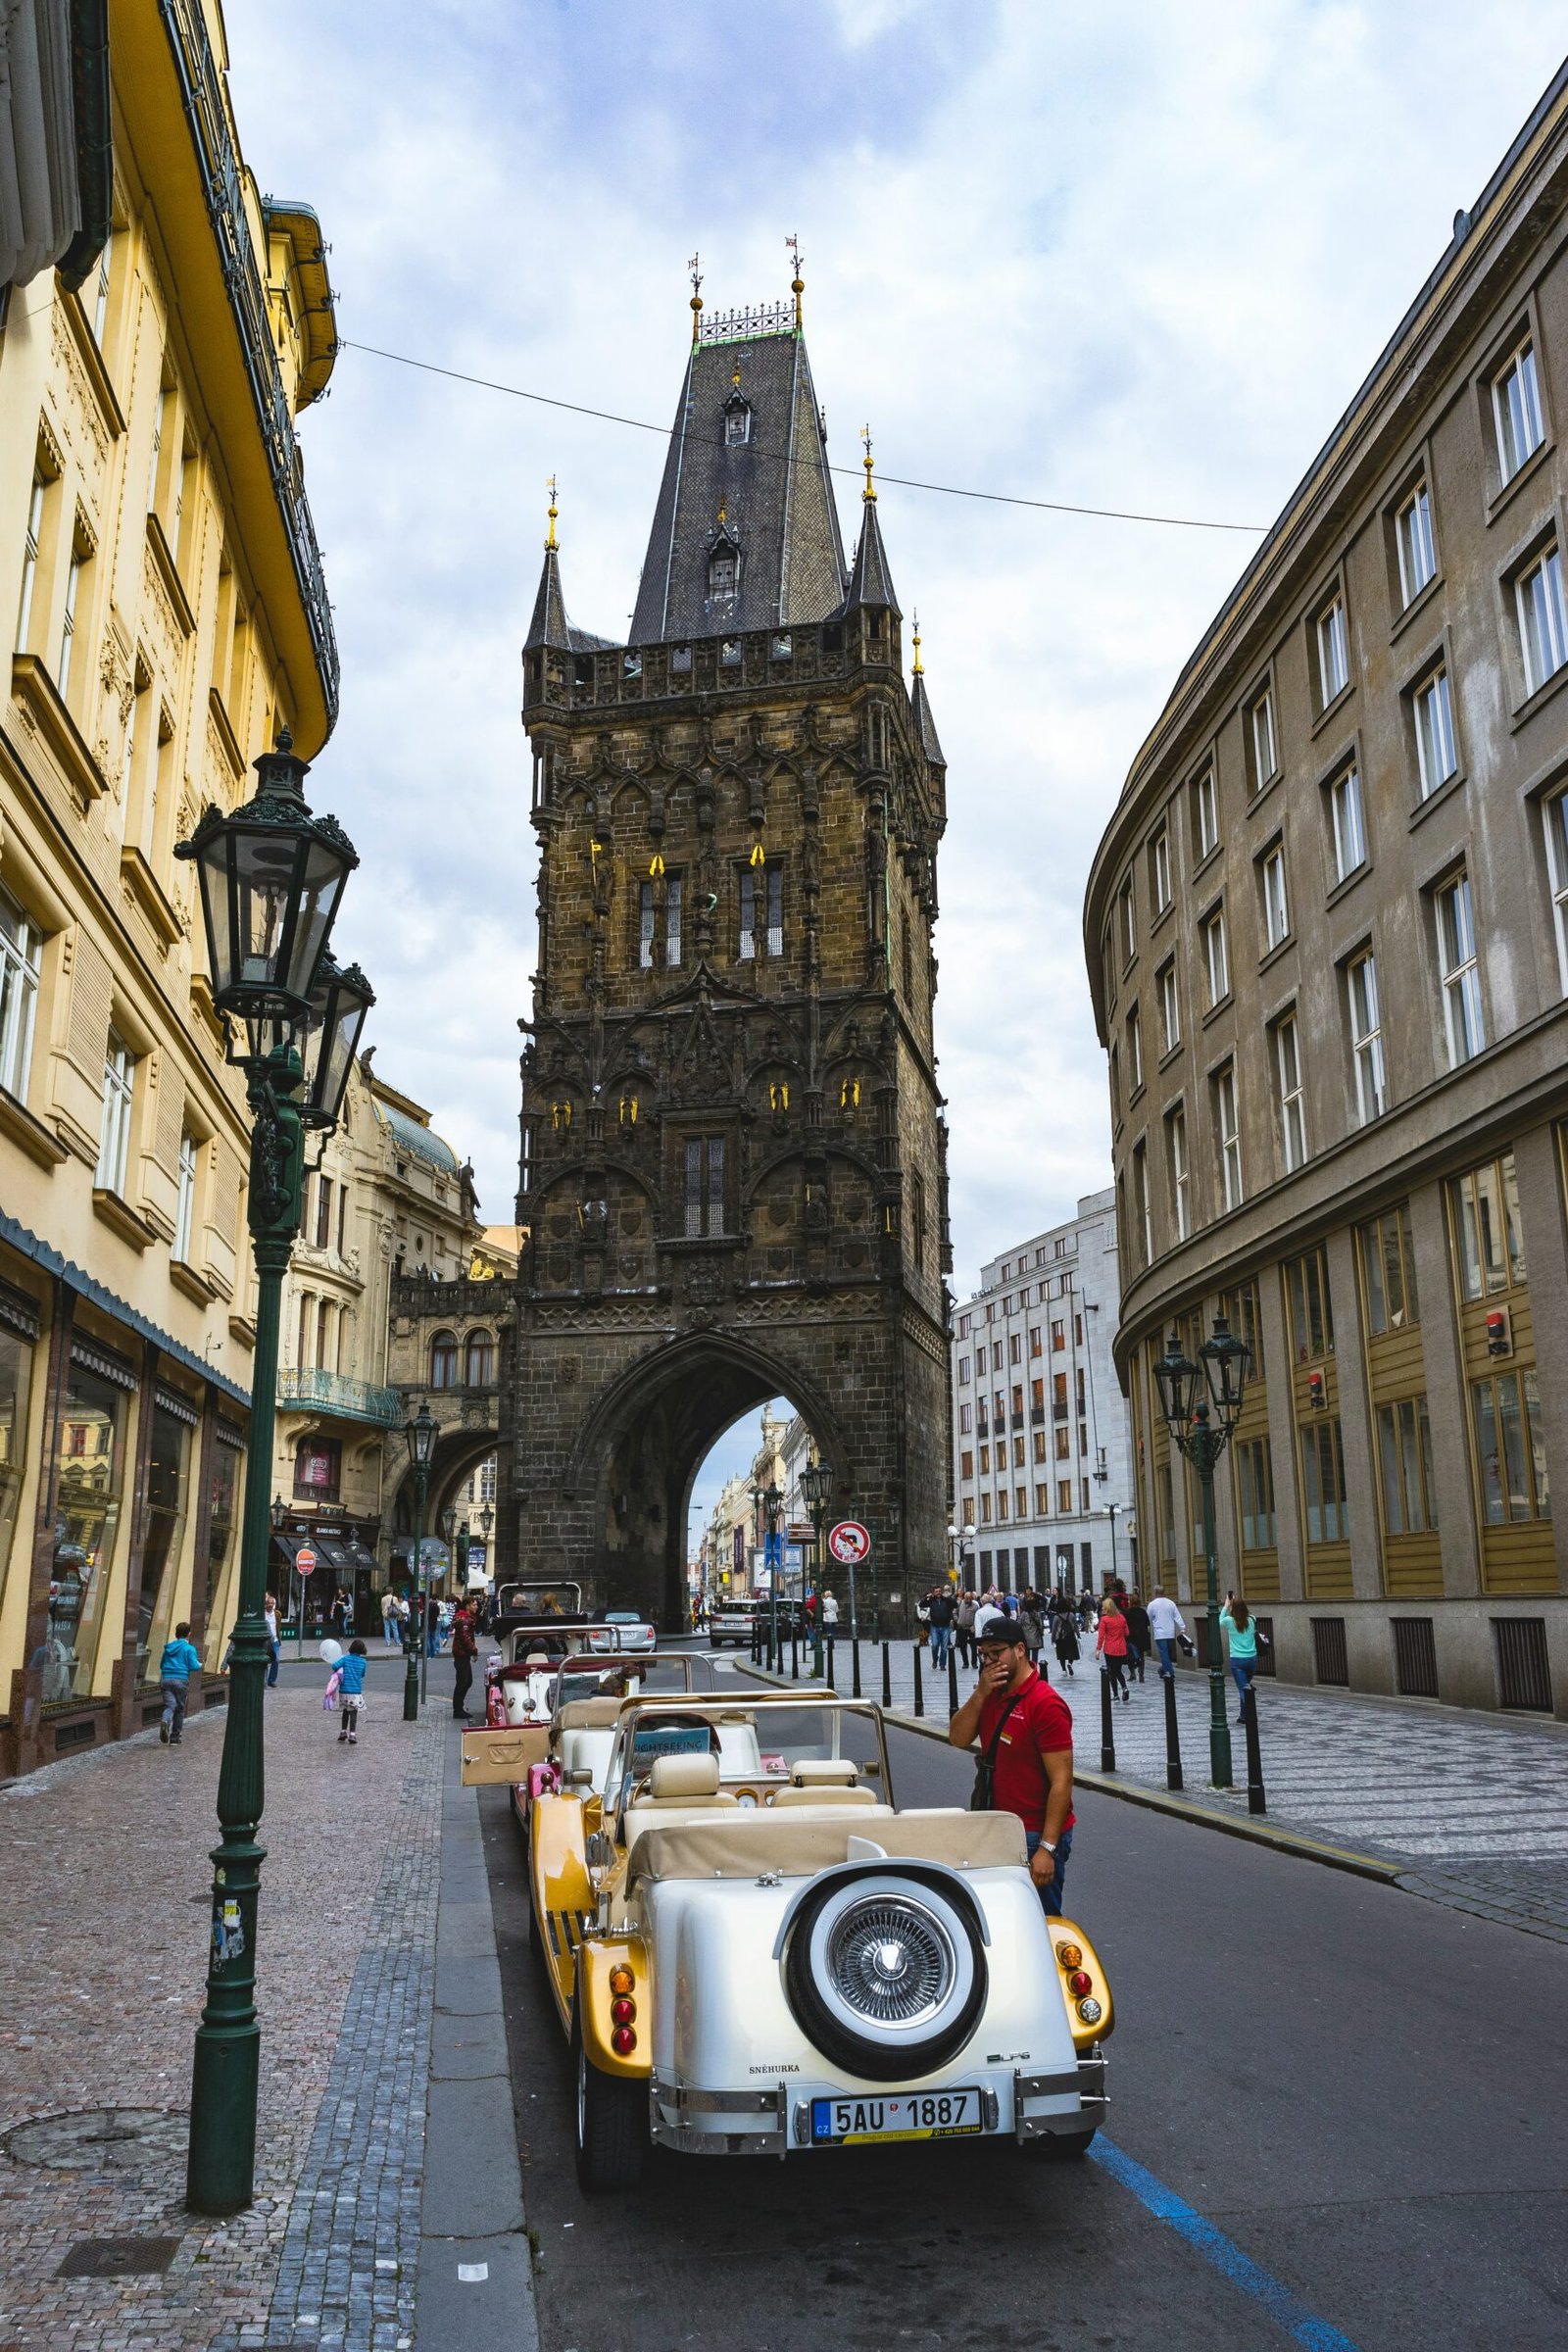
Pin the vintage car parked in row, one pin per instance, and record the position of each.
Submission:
(752, 1951)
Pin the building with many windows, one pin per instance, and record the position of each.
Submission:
(1327, 935)
(160, 576)
(1041, 1470)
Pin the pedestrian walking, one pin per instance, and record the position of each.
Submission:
(987, 1613)
(179, 1661)
(349, 1675)
(964, 1624)
(830, 1612)
(1166, 1625)
(1065, 1640)
(1138, 1636)
(1110, 1641)
(338, 1614)
(1032, 1624)
(1025, 1736)
(274, 1646)
(940, 1611)
(432, 1626)
(465, 1650)
(1241, 1633)
(389, 1617)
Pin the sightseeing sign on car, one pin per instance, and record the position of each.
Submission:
(850, 1544)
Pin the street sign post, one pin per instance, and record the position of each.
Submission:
(305, 1564)
(851, 1545)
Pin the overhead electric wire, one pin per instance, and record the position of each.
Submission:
(902, 481)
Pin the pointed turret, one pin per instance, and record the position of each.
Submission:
(921, 702)
(550, 625)
(871, 579)
(746, 532)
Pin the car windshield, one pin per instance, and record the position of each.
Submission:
(758, 1744)
(623, 1617)
(582, 1677)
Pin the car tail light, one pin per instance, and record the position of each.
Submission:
(622, 2011)
(623, 2040)
(1089, 2011)
(1069, 1955)
(1080, 1982)
(621, 1979)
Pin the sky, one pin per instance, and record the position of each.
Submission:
(1135, 256)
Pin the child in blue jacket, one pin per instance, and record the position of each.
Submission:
(351, 1691)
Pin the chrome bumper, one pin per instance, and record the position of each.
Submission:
(771, 2121)
(1040, 2102)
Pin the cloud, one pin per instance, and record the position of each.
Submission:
(1134, 257)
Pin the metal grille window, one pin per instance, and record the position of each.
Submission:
(1415, 1657)
(1276, 911)
(1227, 1123)
(1293, 1111)
(1349, 824)
(1388, 1271)
(185, 1209)
(1330, 1657)
(705, 1185)
(30, 560)
(1437, 755)
(1254, 1486)
(1524, 1667)
(1176, 1160)
(1216, 959)
(1366, 1039)
(1265, 751)
(1511, 1451)
(1404, 1462)
(1516, 406)
(1418, 554)
(1542, 619)
(20, 961)
(1333, 653)
(113, 1139)
(1486, 1228)
(1460, 973)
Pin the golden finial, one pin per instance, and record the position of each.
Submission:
(735, 379)
(797, 282)
(656, 868)
(723, 514)
(553, 512)
(695, 267)
(869, 492)
(919, 665)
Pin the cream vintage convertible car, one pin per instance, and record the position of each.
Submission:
(753, 1951)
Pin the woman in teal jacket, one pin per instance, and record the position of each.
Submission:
(1237, 1619)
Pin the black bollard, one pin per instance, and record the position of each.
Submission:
(795, 1654)
(1108, 1732)
(855, 1665)
(887, 1674)
(919, 1689)
(832, 1685)
(1173, 1744)
(952, 1684)
(1256, 1802)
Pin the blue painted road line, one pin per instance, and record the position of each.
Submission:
(1286, 2310)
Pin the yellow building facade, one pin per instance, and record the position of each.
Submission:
(159, 575)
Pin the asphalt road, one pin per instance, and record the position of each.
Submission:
(1349, 2105)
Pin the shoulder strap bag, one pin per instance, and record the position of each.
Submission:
(985, 1772)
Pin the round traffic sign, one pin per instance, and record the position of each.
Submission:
(850, 1544)
(305, 1560)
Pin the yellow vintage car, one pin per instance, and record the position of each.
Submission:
(754, 1950)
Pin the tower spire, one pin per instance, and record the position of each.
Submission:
(919, 665)
(549, 539)
(797, 282)
(695, 265)
(869, 492)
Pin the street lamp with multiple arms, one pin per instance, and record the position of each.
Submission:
(816, 1484)
(772, 1499)
(1223, 1364)
(421, 1430)
(270, 877)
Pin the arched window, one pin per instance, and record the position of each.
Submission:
(444, 1360)
(479, 1361)
(737, 421)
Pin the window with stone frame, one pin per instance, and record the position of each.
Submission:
(702, 1168)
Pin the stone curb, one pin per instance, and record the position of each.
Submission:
(1161, 1800)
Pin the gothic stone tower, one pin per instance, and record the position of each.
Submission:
(733, 1169)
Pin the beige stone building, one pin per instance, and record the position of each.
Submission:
(160, 576)
(1327, 933)
(389, 1194)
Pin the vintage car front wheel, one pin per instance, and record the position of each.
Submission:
(611, 2112)
(885, 1972)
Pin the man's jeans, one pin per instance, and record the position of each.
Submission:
(1051, 1896)
(175, 1709)
(274, 1650)
(941, 1644)
(1167, 1657)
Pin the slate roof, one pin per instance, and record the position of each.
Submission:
(550, 625)
(871, 580)
(774, 489)
(925, 724)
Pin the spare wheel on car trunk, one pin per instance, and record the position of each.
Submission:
(884, 1970)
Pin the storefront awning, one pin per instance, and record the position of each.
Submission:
(28, 1244)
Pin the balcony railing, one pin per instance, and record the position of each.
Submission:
(219, 165)
(335, 1393)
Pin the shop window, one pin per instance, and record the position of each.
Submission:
(19, 1332)
(1511, 1451)
(1388, 1271)
(90, 1440)
(223, 1513)
(1404, 1467)
(444, 1360)
(168, 1483)
(1488, 1236)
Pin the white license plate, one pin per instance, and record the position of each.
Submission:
(895, 2115)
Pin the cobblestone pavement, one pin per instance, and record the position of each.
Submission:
(107, 1880)
(1475, 1806)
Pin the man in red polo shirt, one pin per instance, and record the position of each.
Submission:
(1026, 1732)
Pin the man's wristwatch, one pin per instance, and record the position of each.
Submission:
(1047, 1845)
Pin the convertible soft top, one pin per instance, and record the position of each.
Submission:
(738, 1845)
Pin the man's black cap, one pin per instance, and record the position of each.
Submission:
(1001, 1629)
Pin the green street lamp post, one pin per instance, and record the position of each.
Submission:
(772, 1501)
(449, 1530)
(420, 1431)
(270, 877)
(816, 1482)
(1223, 1365)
